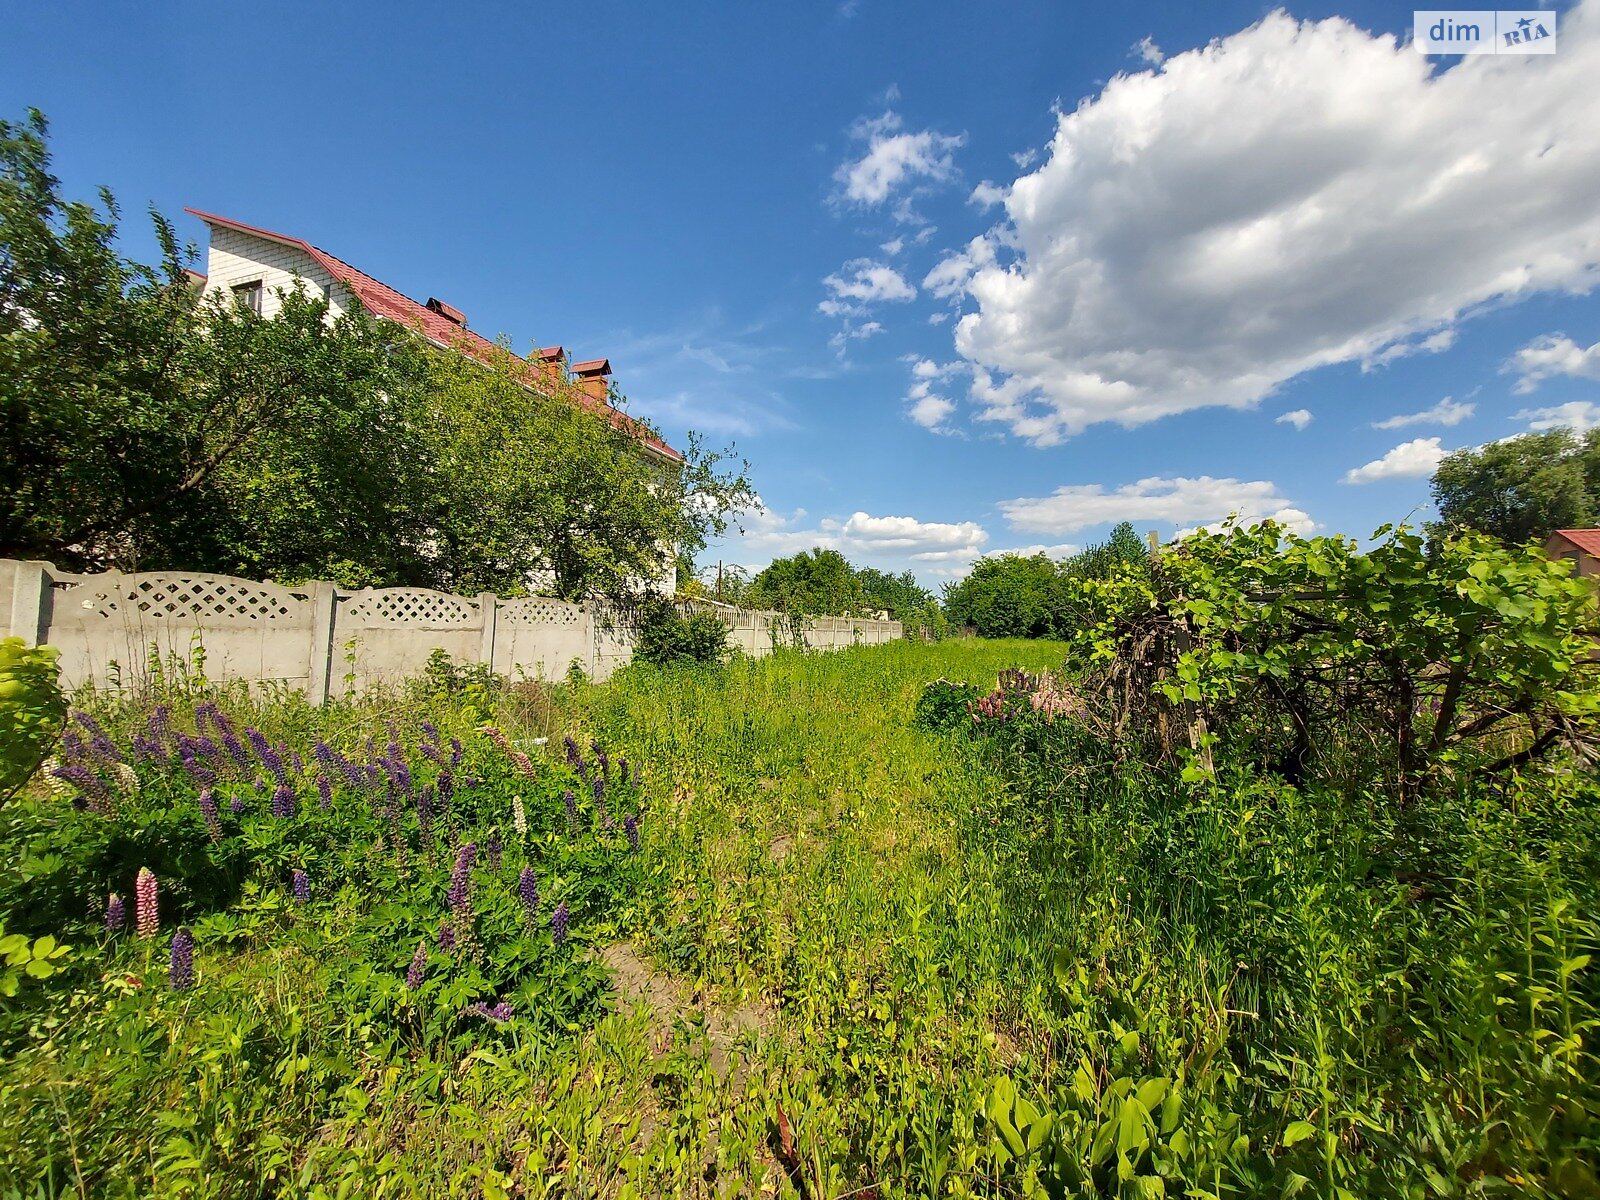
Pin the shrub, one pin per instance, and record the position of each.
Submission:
(945, 705)
(666, 635)
(31, 710)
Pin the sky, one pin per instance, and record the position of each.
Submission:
(956, 280)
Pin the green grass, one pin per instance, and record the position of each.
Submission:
(893, 952)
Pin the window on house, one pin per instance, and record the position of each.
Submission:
(249, 295)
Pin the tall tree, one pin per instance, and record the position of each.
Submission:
(813, 583)
(1522, 488)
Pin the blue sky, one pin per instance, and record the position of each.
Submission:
(954, 284)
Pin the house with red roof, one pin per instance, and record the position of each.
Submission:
(253, 265)
(1581, 547)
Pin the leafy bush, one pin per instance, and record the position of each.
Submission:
(666, 635)
(31, 710)
(945, 705)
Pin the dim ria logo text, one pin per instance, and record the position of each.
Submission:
(1485, 31)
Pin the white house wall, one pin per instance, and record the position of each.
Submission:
(239, 258)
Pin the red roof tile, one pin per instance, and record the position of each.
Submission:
(1587, 540)
(383, 301)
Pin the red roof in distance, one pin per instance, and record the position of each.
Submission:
(383, 301)
(1587, 540)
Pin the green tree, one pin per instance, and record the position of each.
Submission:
(1008, 595)
(812, 583)
(1522, 488)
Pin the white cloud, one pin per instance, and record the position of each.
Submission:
(928, 409)
(987, 194)
(1415, 459)
(1293, 196)
(1447, 412)
(1179, 501)
(1025, 158)
(1148, 51)
(890, 543)
(1550, 355)
(863, 281)
(894, 159)
(1298, 417)
(1580, 416)
(938, 318)
(1058, 551)
(893, 246)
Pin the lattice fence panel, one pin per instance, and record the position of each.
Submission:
(188, 599)
(540, 612)
(409, 606)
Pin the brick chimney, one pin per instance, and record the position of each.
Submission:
(594, 378)
(551, 363)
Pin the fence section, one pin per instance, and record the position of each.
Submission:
(325, 641)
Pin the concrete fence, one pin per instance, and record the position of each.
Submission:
(326, 641)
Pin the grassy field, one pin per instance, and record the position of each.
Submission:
(849, 958)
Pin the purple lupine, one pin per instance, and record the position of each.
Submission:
(622, 771)
(460, 894)
(92, 787)
(144, 750)
(495, 849)
(631, 826)
(324, 792)
(105, 750)
(283, 804)
(425, 812)
(270, 758)
(236, 805)
(433, 753)
(500, 1013)
(299, 763)
(260, 784)
(600, 757)
(559, 920)
(301, 883)
(236, 751)
(72, 747)
(456, 752)
(447, 786)
(419, 964)
(528, 891)
(599, 788)
(199, 772)
(429, 730)
(116, 913)
(447, 938)
(571, 802)
(180, 970)
(160, 726)
(208, 810)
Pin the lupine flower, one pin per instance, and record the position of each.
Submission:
(631, 826)
(299, 763)
(419, 964)
(261, 784)
(447, 938)
(324, 792)
(519, 817)
(195, 747)
(599, 787)
(270, 758)
(147, 916)
(105, 749)
(116, 913)
(180, 971)
(460, 894)
(495, 849)
(425, 812)
(574, 758)
(283, 805)
(199, 772)
(208, 810)
(429, 730)
(455, 752)
(236, 805)
(126, 777)
(433, 753)
(499, 1013)
(90, 726)
(600, 757)
(72, 747)
(159, 725)
(559, 920)
(301, 882)
(236, 750)
(88, 783)
(143, 748)
(622, 771)
(571, 802)
(447, 786)
(528, 891)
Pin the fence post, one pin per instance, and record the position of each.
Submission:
(489, 610)
(323, 598)
(30, 598)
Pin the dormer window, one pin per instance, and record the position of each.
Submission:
(249, 296)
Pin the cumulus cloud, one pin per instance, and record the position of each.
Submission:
(1148, 51)
(1179, 501)
(1580, 416)
(1293, 196)
(1447, 412)
(987, 194)
(860, 282)
(894, 159)
(890, 543)
(1058, 551)
(1415, 459)
(1550, 355)
(1298, 417)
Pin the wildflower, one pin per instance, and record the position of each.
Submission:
(574, 758)
(301, 883)
(499, 1013)
(622, 771)
(299, 763)
(72, 747)
(519, 817)
(429, 730)
(324, 792)
(559, 920)
(528, 891)
(208, 810)
(91, 786)
(447, 786)
(419, 964)
(180, 971)
(599, 788)
(236, 750)
(455, 752)
(600, 757)
(432, 752)
(283, 805)
(571, 802)
(495, 850)
(147, 918)
(447, 938)
(50, 769)
(159, 725)
(631, 826)
(236, 805)
(459, 896)
(116, 913)
(201, 774)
